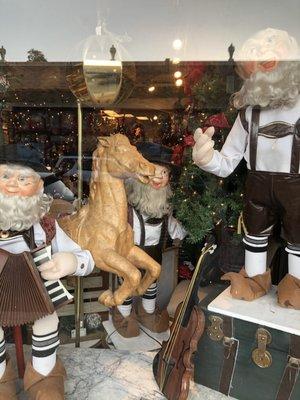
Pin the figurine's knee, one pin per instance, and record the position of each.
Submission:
(47, 324)
(135, 277)
(156, 270)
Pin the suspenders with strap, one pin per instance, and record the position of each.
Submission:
(48, 225)
(253, 137)
(156, 250)
(254, 131)
(296, 149)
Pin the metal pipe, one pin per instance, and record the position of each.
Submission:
(79, 182)
(78, 289)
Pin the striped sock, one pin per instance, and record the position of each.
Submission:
(44, 352)
(149, 298)
(2, 353)
(255, 254)
(126, 307)
(294, 260)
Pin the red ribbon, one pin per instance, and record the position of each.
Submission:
(217, 120)
(194, 74)
(177, 154)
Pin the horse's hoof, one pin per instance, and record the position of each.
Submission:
(119, 298)
(107, 299)
(140, 291)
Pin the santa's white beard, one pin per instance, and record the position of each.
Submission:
(147, 200)
(18, 213)
(273, 89)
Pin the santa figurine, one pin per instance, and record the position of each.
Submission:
(23, 228)
(150, 214)
(267, 134)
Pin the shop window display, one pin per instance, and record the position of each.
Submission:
(188, 268)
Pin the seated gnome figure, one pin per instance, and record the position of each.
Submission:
(151, 217)
(267, 134)
(24, 227)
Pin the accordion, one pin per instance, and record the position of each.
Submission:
(24, 295)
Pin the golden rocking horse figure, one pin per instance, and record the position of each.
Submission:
(102, 226)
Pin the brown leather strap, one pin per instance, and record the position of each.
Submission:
(253, 137)
(142, 227)
(163, 233)
(291, 372)
(296, 149)
(276, 130)
(29, 239)
(230, 354)
(244, 122)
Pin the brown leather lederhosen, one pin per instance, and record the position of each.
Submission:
(272, 197)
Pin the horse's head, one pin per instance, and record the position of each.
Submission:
(122, 160)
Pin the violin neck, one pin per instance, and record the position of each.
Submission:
(191, 298)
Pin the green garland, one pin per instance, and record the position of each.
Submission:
(201, 200)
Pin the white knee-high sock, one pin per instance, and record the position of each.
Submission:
(294, 260)
(255, 254)
(126, 307)
(2, 353)
(44, 344)
(149, 298)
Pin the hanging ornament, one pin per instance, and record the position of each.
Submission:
(106, 76)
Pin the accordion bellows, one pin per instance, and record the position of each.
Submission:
(23, 296)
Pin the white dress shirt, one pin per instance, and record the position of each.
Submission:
(153, 232)
(61, 242)
(273, 155)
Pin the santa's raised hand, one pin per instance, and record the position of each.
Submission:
(203, 149)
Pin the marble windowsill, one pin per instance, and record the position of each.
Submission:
(101, 374)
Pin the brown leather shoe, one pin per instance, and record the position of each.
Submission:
(157, 322)
(7, 383)
(245, 288)
(288, 292)
(127, 327)
(50, 387)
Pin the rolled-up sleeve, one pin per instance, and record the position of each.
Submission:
(225, 161)
(175, 229)
(62, 242)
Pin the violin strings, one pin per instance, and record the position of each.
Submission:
(187, 296)
(171, 343)
(175, 332)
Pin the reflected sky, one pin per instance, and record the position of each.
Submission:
(206, 27)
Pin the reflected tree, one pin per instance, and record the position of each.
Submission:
(35, 55)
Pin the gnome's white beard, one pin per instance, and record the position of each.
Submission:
(149, 201)
(18, 213)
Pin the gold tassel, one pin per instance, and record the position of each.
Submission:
(241, 228)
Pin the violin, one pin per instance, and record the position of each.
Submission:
(173, 365)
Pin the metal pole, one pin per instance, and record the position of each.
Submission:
(78, 288)
(79, 183)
